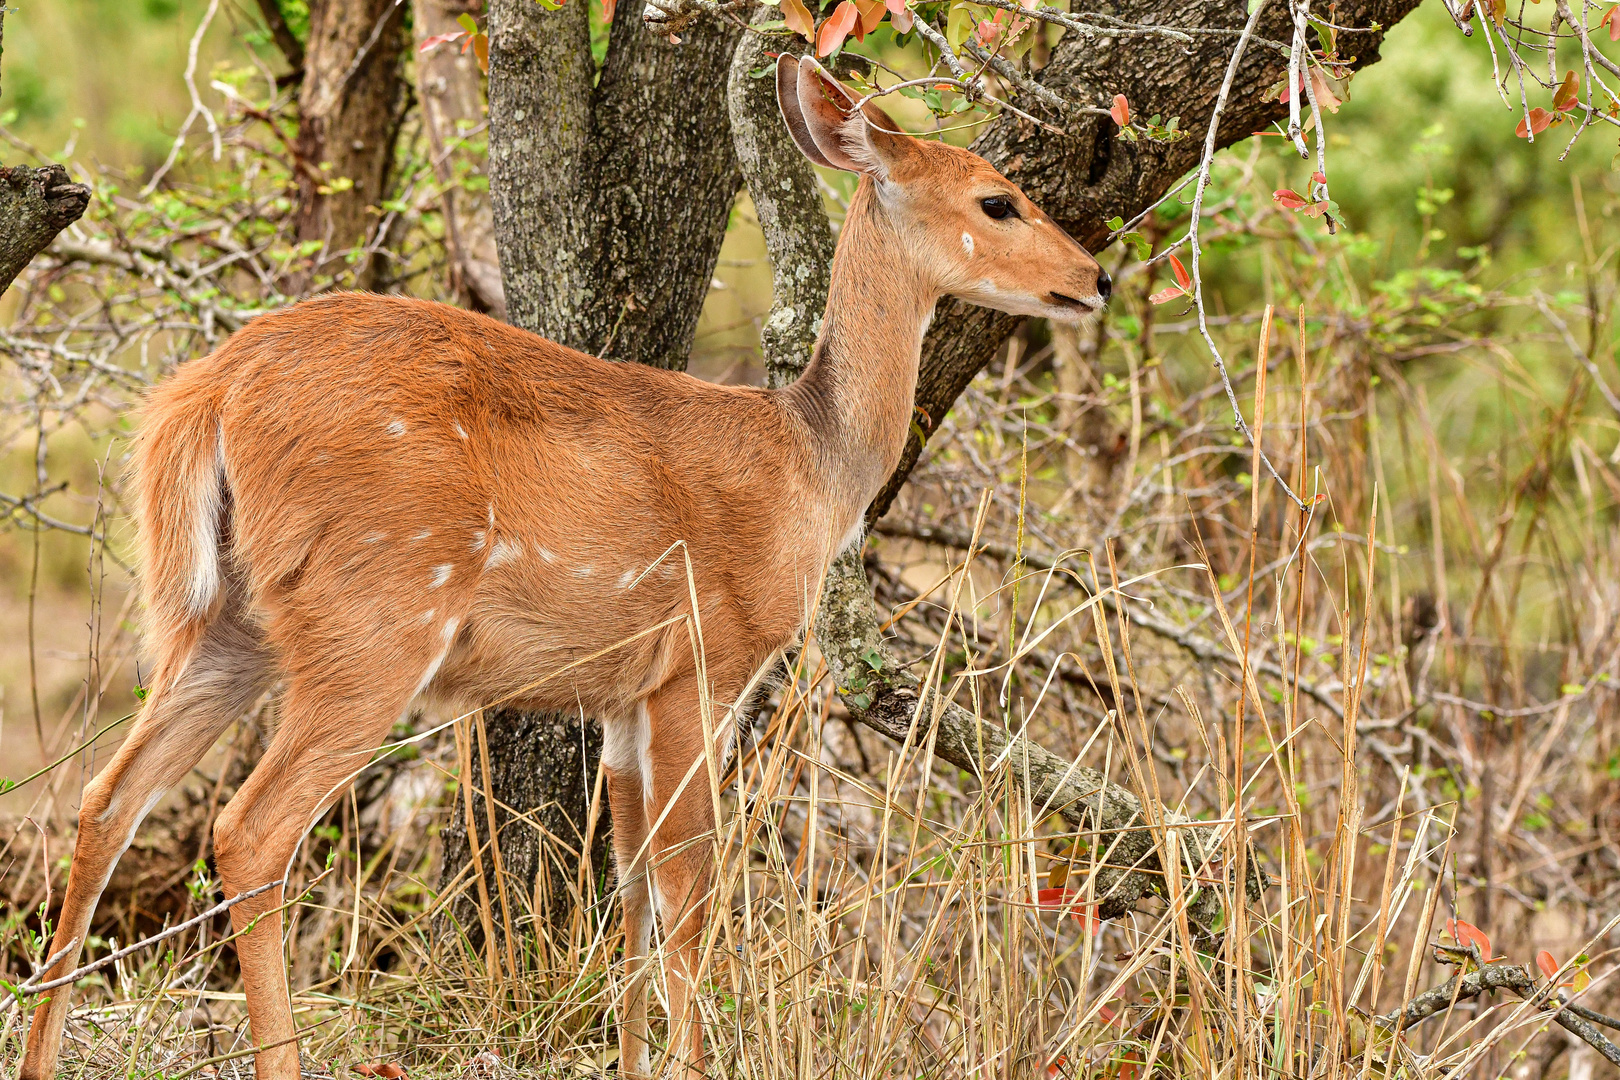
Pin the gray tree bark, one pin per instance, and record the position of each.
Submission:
(610, 190)
(35, 205)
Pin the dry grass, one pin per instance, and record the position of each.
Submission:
(1421, 727)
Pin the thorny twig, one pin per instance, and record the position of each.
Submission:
(1197, 282)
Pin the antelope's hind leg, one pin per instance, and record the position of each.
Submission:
(220, 676)
(333, 717)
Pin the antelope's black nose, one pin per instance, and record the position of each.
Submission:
(1105, 284)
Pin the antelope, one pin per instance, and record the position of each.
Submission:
(371, 498)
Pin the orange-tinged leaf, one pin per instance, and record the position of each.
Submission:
(384, 1070)
(1121, 112)
(1539, 120)
(1613, 21)
(1289, 199)
(1327, 96)
(799, 19)
(872, 12)
(480, 42)
(1318, 178)
(1164, 296)
(1467, 934)
(1569, 91)
(1183, 278)
(440, 39)
(1548, 966)
(988, 31)
(837, 27)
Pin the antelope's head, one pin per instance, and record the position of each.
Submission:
(970, 231)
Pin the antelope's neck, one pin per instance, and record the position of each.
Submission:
(856, 395)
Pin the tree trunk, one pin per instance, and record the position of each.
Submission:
(610, 204)
(348, 117)
(450, 90)
(35, 205)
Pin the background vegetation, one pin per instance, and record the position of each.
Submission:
(1430, 735)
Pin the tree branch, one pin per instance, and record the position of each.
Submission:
(1439, 999)
(35, 205)
(1085, 176)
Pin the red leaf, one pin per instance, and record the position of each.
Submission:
(1568, 92)
(1121, 112)
(1318, 178)
(1540, 120)
(1289, 199)
(440, 39)
(1059, 899)
(799, 19)
(1467, 934)
(1183, 278)
(386, 1070)
(899, 15)
(988, 31)
(1613, 23)
(872, 12)
(1548, 966)
(1164, 296)
(1282, 98)
(837, 27)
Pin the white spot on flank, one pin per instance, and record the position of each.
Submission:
(396, 428)
(449, 630)
(427, 616)
(584, 571)
(544, 554)
(441, 574)
(967, 243)
(502, 552)
(491, 515)
(373, 538)
(478, 540)
(461, 431)
(626, 578)
(423, 535)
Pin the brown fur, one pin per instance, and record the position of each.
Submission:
(376, 496)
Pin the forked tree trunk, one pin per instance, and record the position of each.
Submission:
(349, 109)
(610, 203)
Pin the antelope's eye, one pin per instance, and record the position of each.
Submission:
(998, 207)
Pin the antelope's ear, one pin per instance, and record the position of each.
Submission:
(872, 144)
(787, 99)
